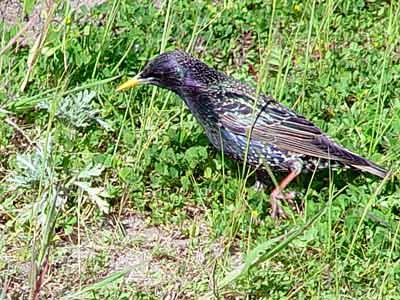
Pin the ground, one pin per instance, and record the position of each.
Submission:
(107, 195)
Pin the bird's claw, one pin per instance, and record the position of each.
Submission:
(276, 210)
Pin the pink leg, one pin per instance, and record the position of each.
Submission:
(276, 195)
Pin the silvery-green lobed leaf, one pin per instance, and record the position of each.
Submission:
(91, 171)
(77, 110)
(95, 194)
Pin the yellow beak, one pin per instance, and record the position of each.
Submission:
(131, 83)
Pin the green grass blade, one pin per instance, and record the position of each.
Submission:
(98, 285)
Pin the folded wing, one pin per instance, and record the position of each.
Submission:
(272, 123)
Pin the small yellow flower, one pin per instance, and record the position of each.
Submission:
(297, 8)
(68, 20)
(254, 214)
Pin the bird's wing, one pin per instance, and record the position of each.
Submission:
(272, 123)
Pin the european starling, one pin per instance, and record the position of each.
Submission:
(248, 126)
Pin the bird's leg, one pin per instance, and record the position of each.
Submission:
(276, 194)
(260, 185)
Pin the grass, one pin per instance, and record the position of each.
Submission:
(120, 195)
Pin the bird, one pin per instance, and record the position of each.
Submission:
(249, 126)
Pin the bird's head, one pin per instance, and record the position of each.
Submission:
(175, 70)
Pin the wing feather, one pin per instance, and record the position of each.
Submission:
(275, 124)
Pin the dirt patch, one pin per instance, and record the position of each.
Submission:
(165, 261)
(162, 261)
(12, 13)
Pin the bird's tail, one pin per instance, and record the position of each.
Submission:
(358, 162)
(372, 168)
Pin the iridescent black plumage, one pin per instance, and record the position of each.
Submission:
(239, 121)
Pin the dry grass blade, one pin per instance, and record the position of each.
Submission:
(38, 45)
(16, 37)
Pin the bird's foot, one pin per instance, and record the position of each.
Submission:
(276, 210)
